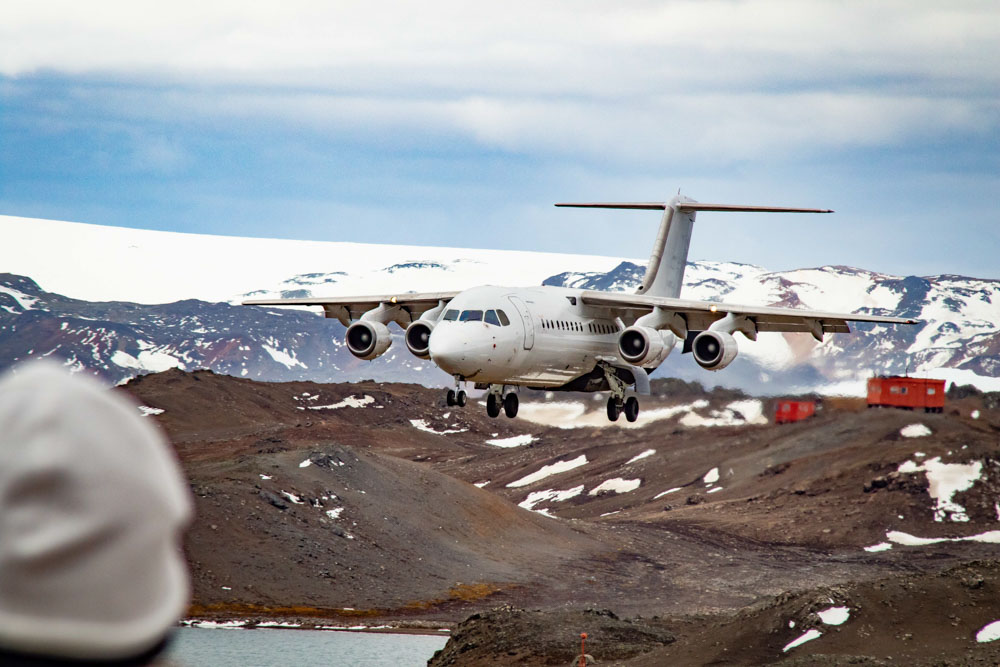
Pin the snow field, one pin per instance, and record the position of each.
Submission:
(574, 414)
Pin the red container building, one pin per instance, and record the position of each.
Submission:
(786, 412)
(906, 393)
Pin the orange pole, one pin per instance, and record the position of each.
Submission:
(583, 653)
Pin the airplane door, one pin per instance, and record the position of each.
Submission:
(529, 327)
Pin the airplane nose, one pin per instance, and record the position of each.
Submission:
(453, 352)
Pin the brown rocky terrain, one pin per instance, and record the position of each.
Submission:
(721, 525)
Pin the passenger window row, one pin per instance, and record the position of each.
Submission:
(495, 317)
(592, 327)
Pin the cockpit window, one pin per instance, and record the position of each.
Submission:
(451, 315)
(471, 316)
(491, 318)
(503, 318)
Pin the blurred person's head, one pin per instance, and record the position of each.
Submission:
(92, 507)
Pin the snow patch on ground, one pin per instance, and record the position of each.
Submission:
(574, 414)
(335, 513)
(834, 615)
(807, 637)
(292, 497)
(147, 360)
(283, 357)
(750, 411)
(639, 457)
(422, 425)
(306, 463)
(711, 477)
(881, 546)
(914, 431)
(549, 495)
(277, 624)
(616, 485)
(513, 441)
(944, 481)
(549, 470)
(989, 537)
(349, 402)
(148, 411)
(989, 632)
(218, 625)
(673, 490)
(480, 485)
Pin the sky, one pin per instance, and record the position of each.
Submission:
(460, 124)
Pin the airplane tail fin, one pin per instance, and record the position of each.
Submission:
(665, 272)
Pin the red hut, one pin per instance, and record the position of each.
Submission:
(906, 393)
(786, 412)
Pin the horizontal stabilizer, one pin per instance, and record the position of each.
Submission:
(697, 206)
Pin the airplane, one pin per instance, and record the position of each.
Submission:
(565, 339)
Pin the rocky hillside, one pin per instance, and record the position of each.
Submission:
(958, 337)
(343, 505)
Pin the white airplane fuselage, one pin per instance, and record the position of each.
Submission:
(551, 338)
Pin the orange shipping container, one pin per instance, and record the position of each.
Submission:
(906, 393)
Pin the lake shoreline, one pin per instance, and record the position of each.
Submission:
(428, 628)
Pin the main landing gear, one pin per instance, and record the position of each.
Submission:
(496, 399)
(630, 407)
(617, 403)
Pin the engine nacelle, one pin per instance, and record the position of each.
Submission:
(645, 346)
(418, 338)
(714, 350)
(367, 339)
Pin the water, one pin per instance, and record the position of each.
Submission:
(198, 647)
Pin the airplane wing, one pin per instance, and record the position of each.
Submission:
(347, 308)
(699, 315)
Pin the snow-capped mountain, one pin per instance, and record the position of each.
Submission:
(958, 338)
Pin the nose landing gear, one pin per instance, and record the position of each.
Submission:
(456, 396)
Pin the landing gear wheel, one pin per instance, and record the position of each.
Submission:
(614, 409)
(510, 405)
(492, 406)
(461, 399)
(632, 408)
(450, 398)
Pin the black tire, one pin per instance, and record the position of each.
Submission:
(632, 408)
(510, 405)
(450, 398)
(614, 409)
(461, 399)
(492, 406)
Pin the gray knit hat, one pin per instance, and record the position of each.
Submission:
(92, 507)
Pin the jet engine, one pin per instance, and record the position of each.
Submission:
(714, 350)
(367, 339)
(645, 346)
(418, 338)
